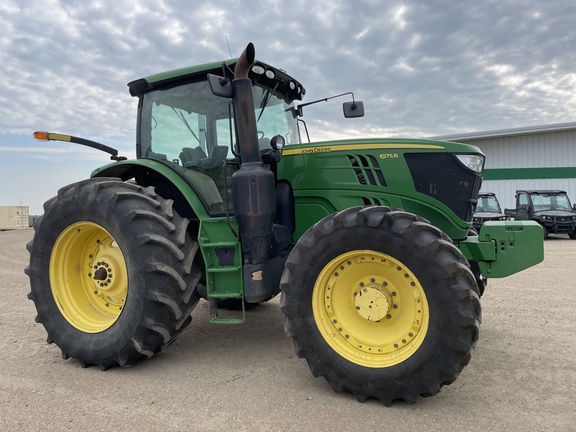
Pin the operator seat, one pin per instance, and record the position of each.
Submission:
(206, 165)
(190, 156)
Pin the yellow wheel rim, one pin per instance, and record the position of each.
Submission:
(370, 308)
(88, 277)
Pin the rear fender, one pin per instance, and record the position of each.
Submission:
(151, 173)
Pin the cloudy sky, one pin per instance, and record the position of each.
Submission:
(422, 68)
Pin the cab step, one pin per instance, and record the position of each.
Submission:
(221, 316)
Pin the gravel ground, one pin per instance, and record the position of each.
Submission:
(522, 376)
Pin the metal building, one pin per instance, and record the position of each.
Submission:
(14, 217)
(539, 157)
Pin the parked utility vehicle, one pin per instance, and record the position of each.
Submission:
(487, 209)
(367, 239)
(550, 208)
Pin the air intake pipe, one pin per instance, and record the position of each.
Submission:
(253, 185)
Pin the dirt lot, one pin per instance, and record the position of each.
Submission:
(522, 376)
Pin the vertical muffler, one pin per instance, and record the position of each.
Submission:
(253, 185)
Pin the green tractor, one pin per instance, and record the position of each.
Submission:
(368, 241)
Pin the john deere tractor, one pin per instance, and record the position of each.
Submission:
(368, 241)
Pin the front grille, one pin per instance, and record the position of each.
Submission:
(442, 177)
(367, 170)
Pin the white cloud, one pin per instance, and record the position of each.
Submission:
(422, 68)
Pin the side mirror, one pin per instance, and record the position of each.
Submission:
(220, 86)
(353, 109)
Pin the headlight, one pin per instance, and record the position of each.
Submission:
(475, 162)
(277, 142)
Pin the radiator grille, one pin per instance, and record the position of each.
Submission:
(367, 170)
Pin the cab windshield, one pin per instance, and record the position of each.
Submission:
(189, 128)
(191, 117)
(551, 202)
(488, 204)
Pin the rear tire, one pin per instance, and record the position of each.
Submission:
(112, 272)
(381, 304)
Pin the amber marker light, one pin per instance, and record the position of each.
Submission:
(41, 136)
(47, 136)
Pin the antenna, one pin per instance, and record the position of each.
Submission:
(227, 43)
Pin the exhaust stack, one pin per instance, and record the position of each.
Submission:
(253, 185)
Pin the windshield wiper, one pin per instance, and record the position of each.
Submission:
(181, 116)
(264, 101)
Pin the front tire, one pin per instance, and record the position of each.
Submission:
(381, 304)
(112, 272)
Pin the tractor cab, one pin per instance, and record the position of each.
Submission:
(184, 125)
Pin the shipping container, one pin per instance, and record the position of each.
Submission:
(14, 217)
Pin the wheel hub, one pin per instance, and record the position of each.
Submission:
(372, 302)
(100, 274)
(104, 267)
